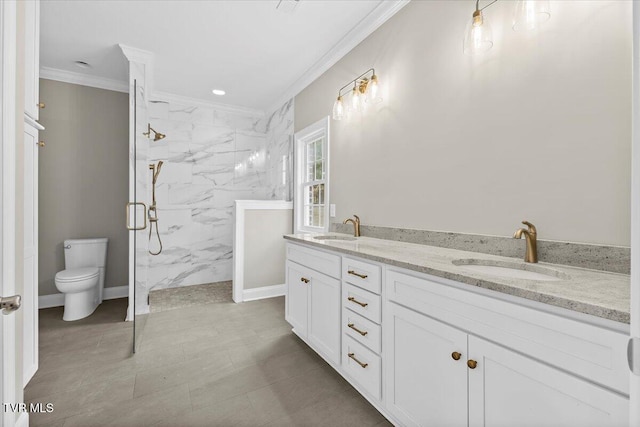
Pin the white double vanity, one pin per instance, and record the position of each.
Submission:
(430, 343)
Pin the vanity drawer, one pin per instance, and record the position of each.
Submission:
(362, 365)
(323, 262)
(362, 330)
(362, 302)
(362, 274)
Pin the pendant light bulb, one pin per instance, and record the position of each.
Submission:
(478, 37)
(338, 109)
(530, 14)
(373, 91)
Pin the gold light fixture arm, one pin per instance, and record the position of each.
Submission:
(359, 81)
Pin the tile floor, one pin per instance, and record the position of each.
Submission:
(220, 364)
(186, 296)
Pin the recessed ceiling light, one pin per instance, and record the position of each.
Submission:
(218, 92)
(82, 64)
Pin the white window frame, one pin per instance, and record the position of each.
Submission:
(301, 138)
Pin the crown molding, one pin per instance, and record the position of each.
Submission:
(196, 102)
(83, 79)
(378, 16)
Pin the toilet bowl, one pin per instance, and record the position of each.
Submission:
(80, 289)
(82, 282)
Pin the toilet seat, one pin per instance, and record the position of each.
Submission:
(77, 274)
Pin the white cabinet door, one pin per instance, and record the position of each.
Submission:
(298, 280)
(509, 389)
(30, 295)
(425, 385)
(324, 316)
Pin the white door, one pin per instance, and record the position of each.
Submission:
(635, 225)
(297, 297)
(8, 351)
(324, 315)
(426, 373)
(509, 389)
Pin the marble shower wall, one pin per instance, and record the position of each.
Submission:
(211, 158)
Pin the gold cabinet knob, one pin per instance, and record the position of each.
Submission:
(455, 355)
(41, 105)
(472, 364)
(40, 144)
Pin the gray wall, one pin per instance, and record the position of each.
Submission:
(539, 128)
(264, 252)
(83, 176)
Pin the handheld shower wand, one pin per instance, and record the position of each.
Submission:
(153, 213)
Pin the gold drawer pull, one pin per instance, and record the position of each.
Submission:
(363, 333)
(363, 304)
(472, 364)
(362, 276)
(305, 280)
(455, 355)
(40, 144)
(353, 356)
(40, 105)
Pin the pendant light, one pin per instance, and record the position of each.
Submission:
(530, 14)
(478, 37)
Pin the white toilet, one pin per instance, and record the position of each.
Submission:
(82, 281)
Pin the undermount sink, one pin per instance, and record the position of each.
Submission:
(334, 237)
(511, 270)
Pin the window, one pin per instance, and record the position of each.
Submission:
(312, 178)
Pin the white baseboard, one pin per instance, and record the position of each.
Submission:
(263, 292)
(23, 420)
(57, 300)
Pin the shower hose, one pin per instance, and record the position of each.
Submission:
(153, 220)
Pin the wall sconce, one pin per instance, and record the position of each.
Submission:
(365, 89)
(529, 14)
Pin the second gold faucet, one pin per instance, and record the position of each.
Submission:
(356, 225)
(531, 236)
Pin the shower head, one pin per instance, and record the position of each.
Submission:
(157, 136)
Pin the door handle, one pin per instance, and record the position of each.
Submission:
(134, 204)
(633, 355)
(10, 304)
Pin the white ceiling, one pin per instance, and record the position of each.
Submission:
(248, 48)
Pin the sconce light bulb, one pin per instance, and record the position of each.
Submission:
(355, 99)
(373, 90)
(478, 37)
(529, 14)
(338, 109)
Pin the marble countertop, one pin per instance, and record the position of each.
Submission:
(593, 292)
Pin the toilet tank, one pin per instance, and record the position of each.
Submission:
(80, 253)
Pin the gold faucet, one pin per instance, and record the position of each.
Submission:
(531, 236)
(356, 225)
